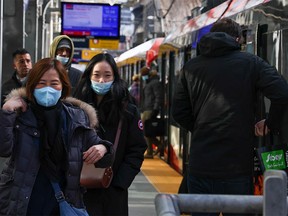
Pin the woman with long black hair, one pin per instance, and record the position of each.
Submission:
(102, 87)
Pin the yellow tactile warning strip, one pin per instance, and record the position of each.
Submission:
(164, 178)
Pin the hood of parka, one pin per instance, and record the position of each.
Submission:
(55, 44)
(216, 44)
(88, 109)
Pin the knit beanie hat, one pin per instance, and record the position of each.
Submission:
(64, 43)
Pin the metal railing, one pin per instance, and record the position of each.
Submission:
(273, 202)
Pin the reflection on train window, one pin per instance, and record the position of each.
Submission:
(277, 48)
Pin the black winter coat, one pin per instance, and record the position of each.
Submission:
(128, 160)
(131, 147)
(215, 100)
(152, 94)
(9, 85)
(19, 138)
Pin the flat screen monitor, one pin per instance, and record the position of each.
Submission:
(92, 20)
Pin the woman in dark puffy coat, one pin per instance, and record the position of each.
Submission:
(46, 137)
(102, 87)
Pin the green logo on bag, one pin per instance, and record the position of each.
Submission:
(274, 159)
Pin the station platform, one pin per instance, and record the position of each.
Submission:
(156, 176)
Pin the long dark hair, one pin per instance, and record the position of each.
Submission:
(117, 95)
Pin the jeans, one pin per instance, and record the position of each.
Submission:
(233, 186)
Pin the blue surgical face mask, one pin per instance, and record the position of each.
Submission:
(62, 59)
(145, 77)
(101, 88)
(47, 96)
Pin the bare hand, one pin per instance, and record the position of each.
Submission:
(15, 103)
(259, 128)
(94, 153)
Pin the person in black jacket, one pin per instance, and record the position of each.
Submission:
(62, 48)
(22, 64)
(47, 137)
(215, 100)
(102, 87)
(151, 102)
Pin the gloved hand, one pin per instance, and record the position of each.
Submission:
(154, 114)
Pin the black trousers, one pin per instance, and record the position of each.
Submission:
(106, 202)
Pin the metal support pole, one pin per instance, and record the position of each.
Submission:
(44, 28)
(1, 43)
(275, 193)
(166, 205)
(188, 203)
(273, 202)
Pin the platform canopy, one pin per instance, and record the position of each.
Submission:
(226, 9)
(147, 51)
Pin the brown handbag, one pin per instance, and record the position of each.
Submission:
(94, 177)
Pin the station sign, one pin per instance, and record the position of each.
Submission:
(87, 54)
(104, 44)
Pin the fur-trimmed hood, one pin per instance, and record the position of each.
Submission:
(88, 109)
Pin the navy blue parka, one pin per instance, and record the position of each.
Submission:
(20, 137)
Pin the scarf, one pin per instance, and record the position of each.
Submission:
(52, 151)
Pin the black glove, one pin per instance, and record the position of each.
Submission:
(154, 114)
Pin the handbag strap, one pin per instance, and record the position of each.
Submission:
(58, 192)
(119, 131)
(269, 135)
(117, 137)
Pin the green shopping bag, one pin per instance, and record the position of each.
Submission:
(273, 155)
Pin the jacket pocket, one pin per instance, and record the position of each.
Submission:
(6, 182)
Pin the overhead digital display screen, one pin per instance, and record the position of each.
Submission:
(90, 20)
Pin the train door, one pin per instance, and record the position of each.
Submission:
(276, 53)
(175, 143)
(178, 139)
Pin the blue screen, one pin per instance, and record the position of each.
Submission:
(90, 20)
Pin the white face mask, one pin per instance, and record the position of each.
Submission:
(62, 59)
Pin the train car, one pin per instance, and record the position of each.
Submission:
(265, 29)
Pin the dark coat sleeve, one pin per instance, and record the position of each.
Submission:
(91, 138)
(7, 120)
(182, 110)
(275, 88)
(135, 147)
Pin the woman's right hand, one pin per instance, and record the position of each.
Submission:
(15, 103)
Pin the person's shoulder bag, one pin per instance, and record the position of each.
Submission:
(95, 177)
(65, 208)
(154, 127)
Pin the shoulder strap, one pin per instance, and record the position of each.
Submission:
(57, 190)
(119, 131)
(117, 135)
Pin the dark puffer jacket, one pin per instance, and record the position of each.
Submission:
(19, 138)
(215, 99)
